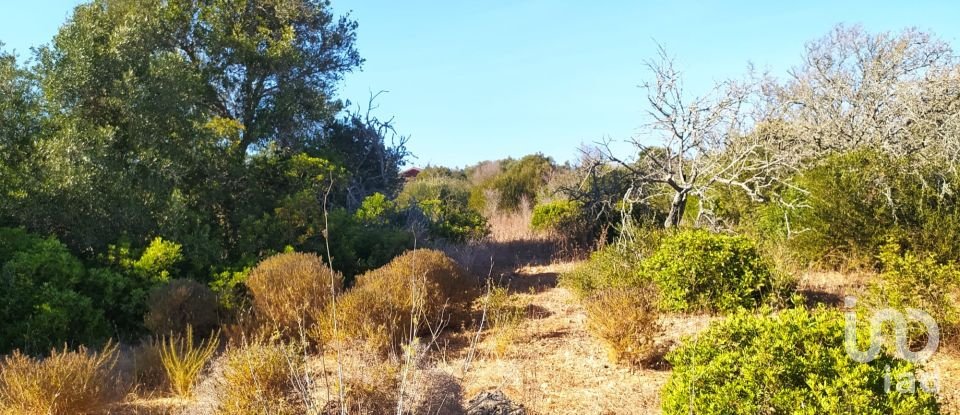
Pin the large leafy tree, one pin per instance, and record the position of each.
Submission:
(19, 123)
(164, 115)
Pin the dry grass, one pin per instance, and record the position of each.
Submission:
(504, 313)
(66, 382)
(181, 303)
(261, 378)
(291, 291)
(627, 320)
(183, 360)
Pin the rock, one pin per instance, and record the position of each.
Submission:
(493, 403)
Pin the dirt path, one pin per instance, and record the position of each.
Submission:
(554, 366)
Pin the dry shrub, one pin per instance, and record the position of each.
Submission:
(67, 382)
(626, 319)
(181, 303)
(183, 360)
(260, 378)
(371, 383)
(291, 290)
(418, 291)
(148, 371)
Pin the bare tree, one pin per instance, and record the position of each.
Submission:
(894, 92)
(703, 142)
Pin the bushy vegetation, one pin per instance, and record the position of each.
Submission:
(290, 292)
(181, 304)
(697, 270)
(442, 201)
(627, 321)
(419, 291)
(563, 217)
(854, 202)
(183, 359)
(693, 270)
(790, 362)
(614, 266)
(65, 383)
(910, 280)
(260, 378)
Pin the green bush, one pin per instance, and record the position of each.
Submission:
(564, 217)
(522, 180)
(42, 303)
(361, 241)
(792, 362)
(912, 281)
(856, 201)
(614, 266)
(697, 270)
(443, 204)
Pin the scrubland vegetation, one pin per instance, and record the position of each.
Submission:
(192, 222)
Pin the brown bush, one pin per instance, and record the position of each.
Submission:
(291, 290)
(67, 382)
(148, 371)
(626, 319)
(181, 303)
(260, 378)
(419, 290)
(371, 384)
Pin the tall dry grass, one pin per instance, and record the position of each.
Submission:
(65, 383)
(183, 360)
(261, 377)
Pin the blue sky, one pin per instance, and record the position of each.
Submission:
(475, 80)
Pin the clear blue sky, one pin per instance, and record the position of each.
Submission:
(475, 80)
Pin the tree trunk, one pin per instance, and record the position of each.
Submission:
(677, 207)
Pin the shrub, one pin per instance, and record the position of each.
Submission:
(857, 200)
(912, 281)
(564, 217)
(627, 320)
(65, 383)
(370, 384)
(260, 378)
(615, 265)
(42, 296)
(419, 290)
(699, 270)
(443, 203)
(364, 241)
(289, 291)
(179, 304)
(183, 360)
(148, 371)
(792, 362)
(159, 260)
(522, 180)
